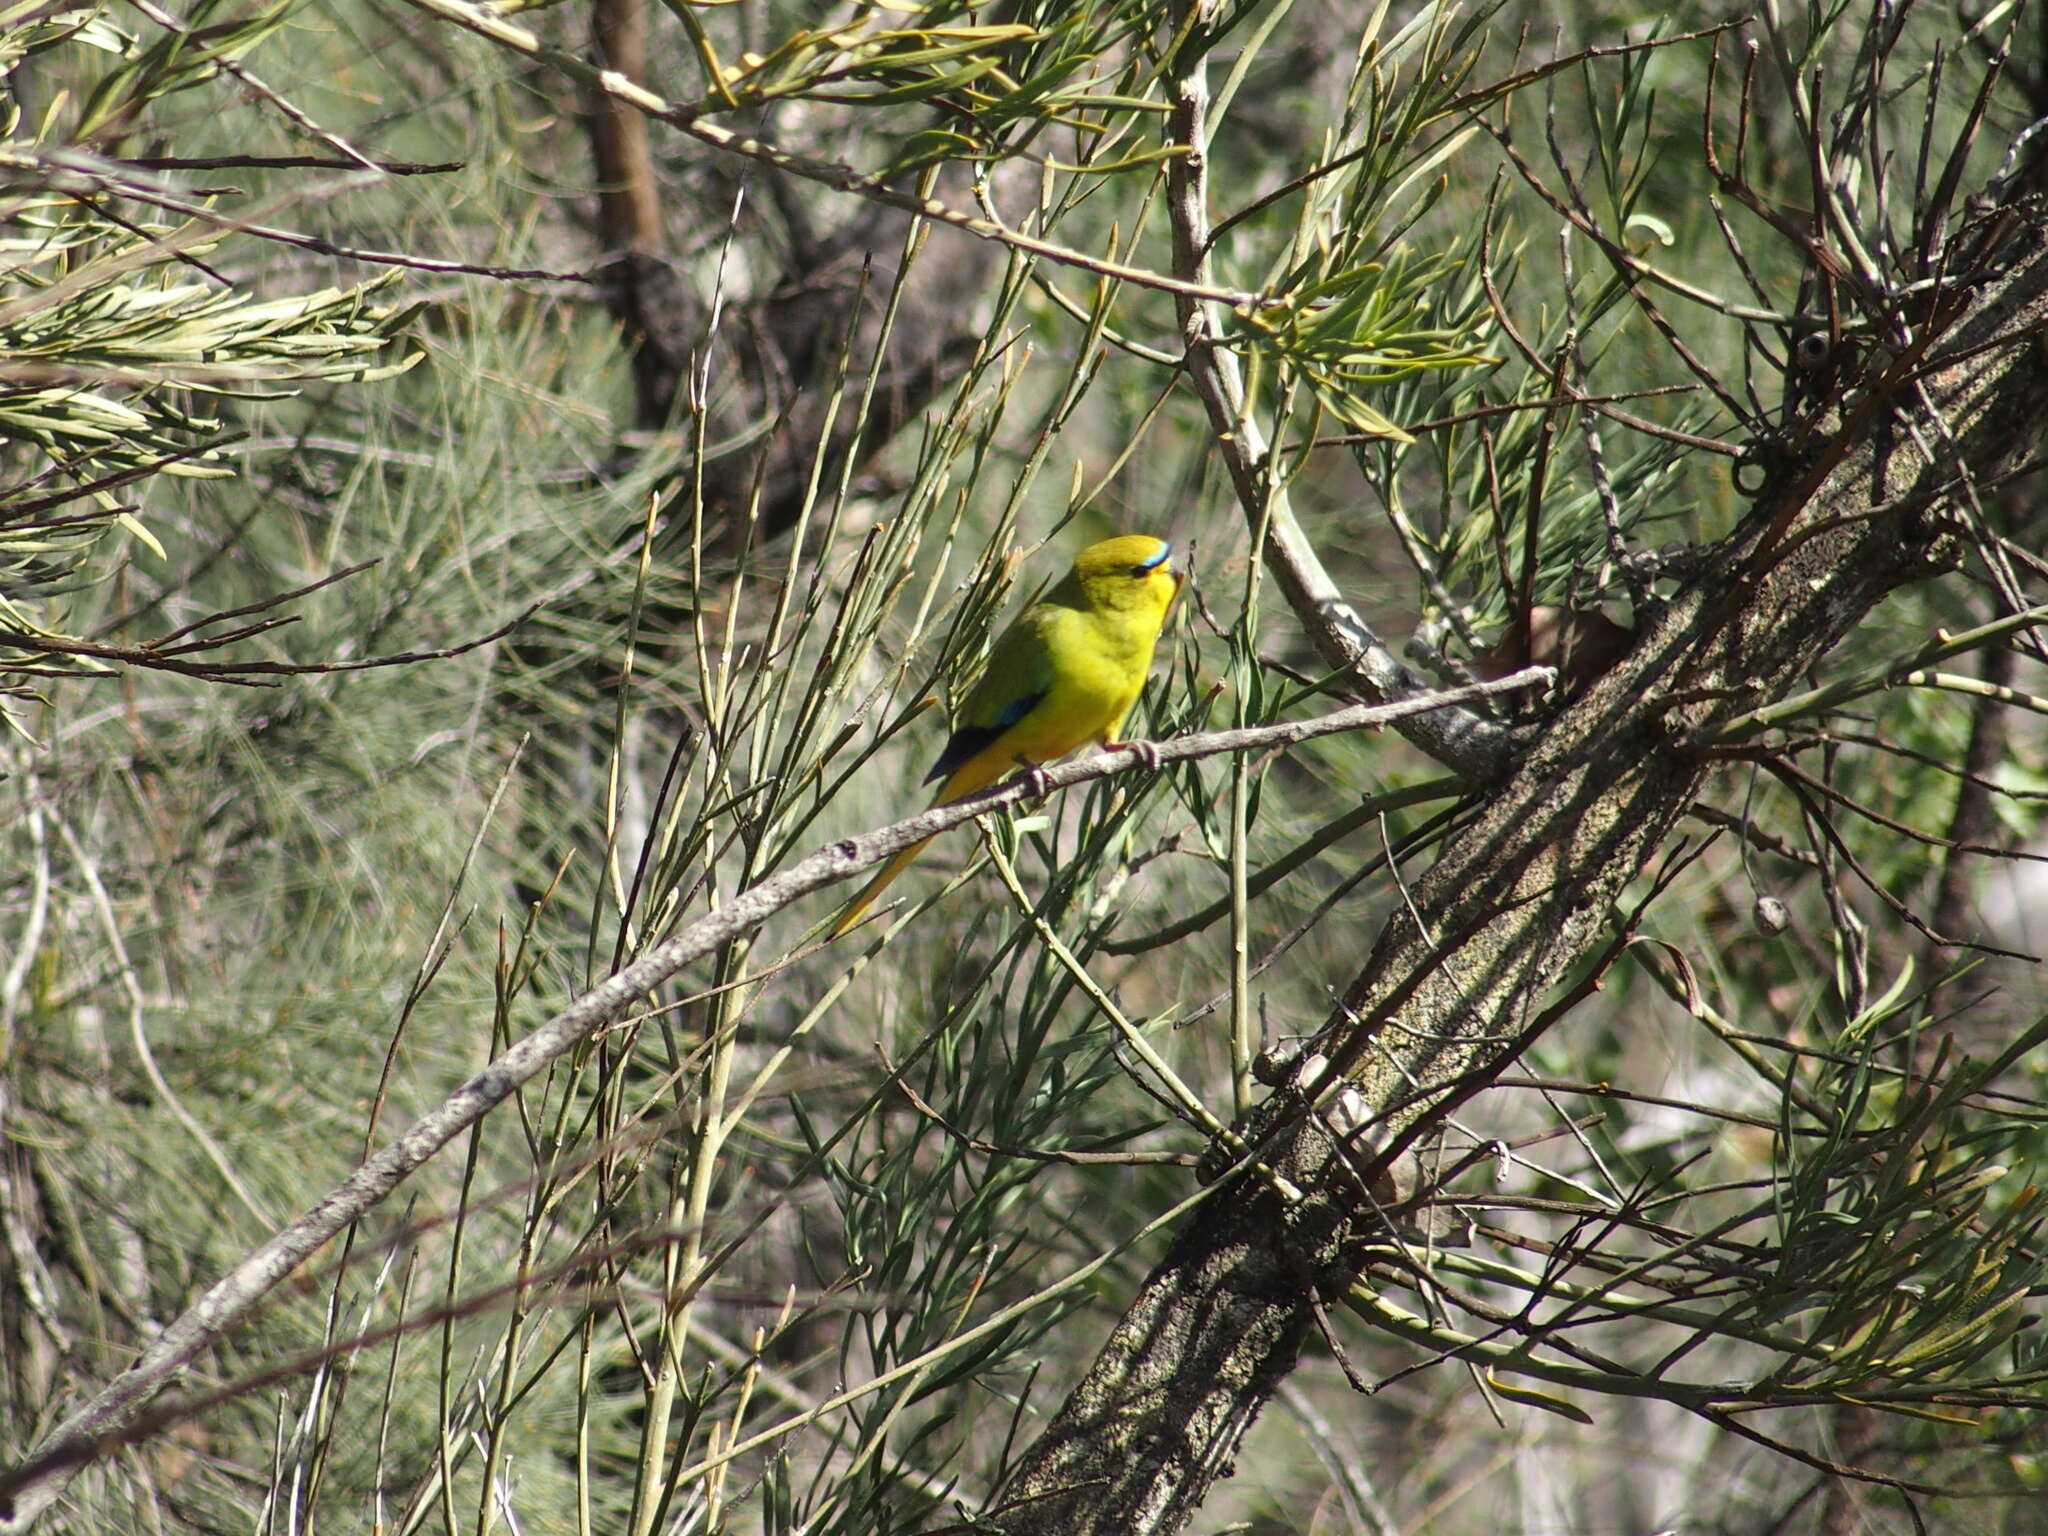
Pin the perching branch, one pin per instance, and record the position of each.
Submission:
(1460, 740)
(96, 1428)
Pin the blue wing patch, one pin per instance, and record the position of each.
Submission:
(970, 739)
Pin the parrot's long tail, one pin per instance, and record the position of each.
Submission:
(874, 888)
(971, 777)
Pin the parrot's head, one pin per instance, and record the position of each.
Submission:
(1131, 573)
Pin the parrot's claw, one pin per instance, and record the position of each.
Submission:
(1143, 755)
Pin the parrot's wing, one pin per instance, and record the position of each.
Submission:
(1018, 678)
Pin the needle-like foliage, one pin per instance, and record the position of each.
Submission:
(498, 501)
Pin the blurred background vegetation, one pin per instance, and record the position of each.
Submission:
(455, 527)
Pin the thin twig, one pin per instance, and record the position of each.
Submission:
(830, 173)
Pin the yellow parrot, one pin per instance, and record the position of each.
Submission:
(1065, 673)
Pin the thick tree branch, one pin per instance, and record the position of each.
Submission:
(1518, 898)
